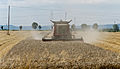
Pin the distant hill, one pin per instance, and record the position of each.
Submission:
(12, 27)
(107, 26)
(30, 28)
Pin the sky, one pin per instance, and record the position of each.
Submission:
(25, 12)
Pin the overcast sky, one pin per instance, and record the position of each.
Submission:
(24, 12)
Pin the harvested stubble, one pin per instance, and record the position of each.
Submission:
(30, 54)
(8, 41)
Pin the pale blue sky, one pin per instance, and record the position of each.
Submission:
(24, 12)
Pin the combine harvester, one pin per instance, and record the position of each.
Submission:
(61, 32)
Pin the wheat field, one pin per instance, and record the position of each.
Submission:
(25, 49)
(110, 41)
(8, 41)
(105, 40)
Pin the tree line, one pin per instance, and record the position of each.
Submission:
(35, 25)
(114, 29)
(95, 26)
(84, 27)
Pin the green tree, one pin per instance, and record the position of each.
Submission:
(115, 28)
(2, 27)
(39, 27)
(34, 25)
(20, 27)
(84, 26)
(95, 26)
(73, 27)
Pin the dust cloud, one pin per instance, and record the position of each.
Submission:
(89, 36)
(36, 35)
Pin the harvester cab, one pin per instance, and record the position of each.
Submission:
(61, 32)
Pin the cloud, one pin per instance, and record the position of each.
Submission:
(84, 1)
(32, 2)
(2, 4)
(49, 2)
(46, 2)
